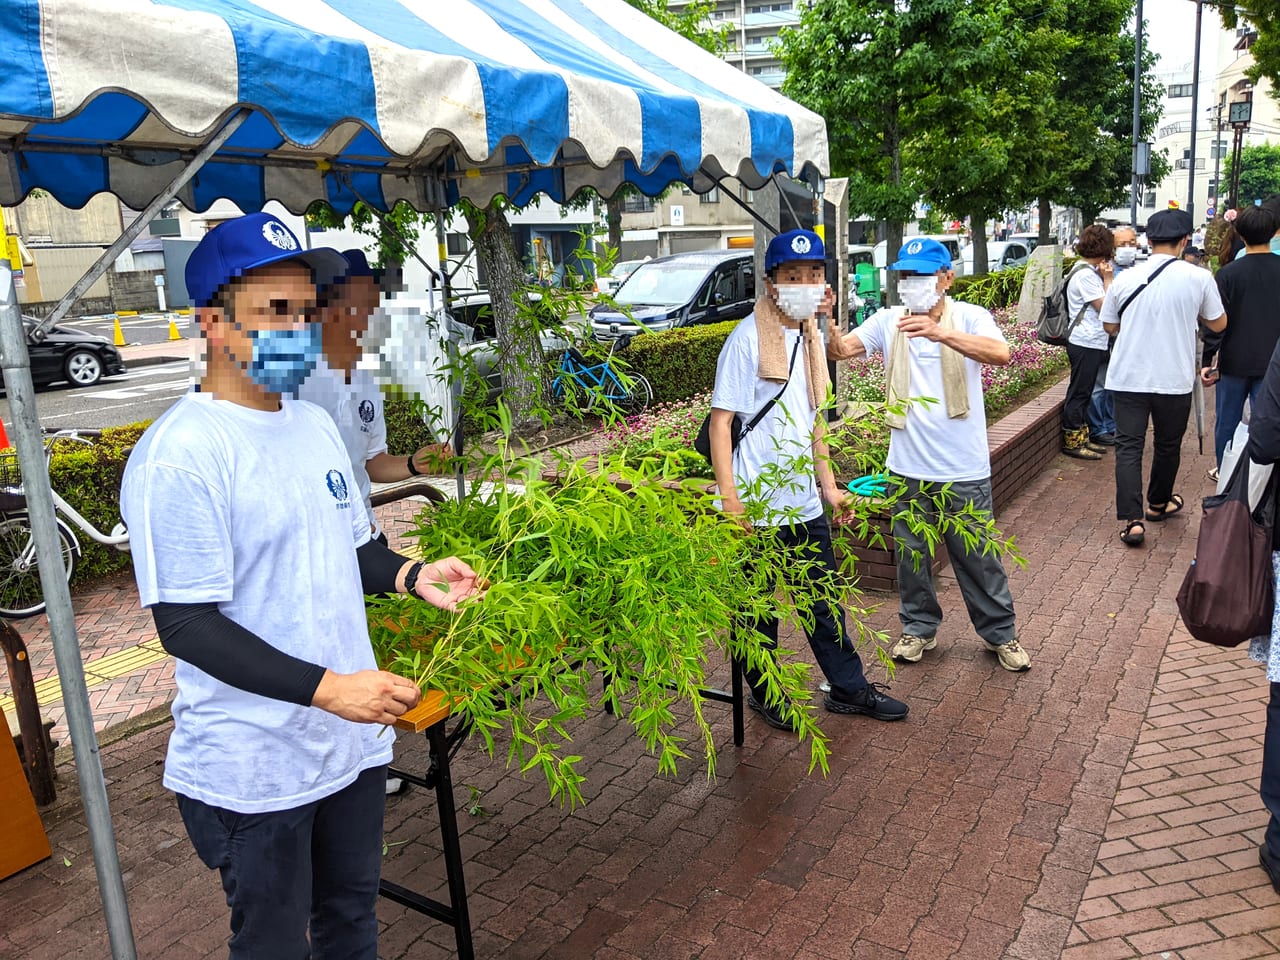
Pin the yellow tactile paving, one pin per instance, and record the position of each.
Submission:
(118, 664)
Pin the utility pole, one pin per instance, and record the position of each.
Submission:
(1137, 112)
(1195, 114)
(1217, 155)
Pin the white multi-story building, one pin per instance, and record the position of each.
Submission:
(1232, 86)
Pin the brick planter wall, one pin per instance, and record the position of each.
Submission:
(1022, 444)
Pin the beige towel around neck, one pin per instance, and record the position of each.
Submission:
(775, 360)
(898, 373)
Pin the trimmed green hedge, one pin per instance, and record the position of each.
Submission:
(679, 363)
(991, 290)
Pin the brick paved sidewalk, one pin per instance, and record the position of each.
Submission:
(1009, 816)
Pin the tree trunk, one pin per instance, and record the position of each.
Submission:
(1046, 218)
(978, 220)
(613, 219)
(525, 376)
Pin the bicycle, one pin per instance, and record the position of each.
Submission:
(629, 393)
(21, 595)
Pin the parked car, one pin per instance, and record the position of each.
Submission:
(948, 240)
(1001, 255)
(681, 290)
(67, 354)
(608, 283)
(1031, 240)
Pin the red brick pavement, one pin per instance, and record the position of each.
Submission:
(1063, 812)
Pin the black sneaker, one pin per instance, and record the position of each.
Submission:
(873, 701)
(1106, 439)
(1271, 864)
(772, 714)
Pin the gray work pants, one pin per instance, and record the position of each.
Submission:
(983, 582)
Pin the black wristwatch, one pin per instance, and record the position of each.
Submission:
(413, 467)
(411, 580)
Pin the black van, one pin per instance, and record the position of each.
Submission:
(678, 291)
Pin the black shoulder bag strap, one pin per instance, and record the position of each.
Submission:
(1146, 283)
(777, 396)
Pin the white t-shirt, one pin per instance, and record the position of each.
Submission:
(1084, 288)
(1155, 350)
(254, 511)
(783, 437)
(357, 409)
(933, 446)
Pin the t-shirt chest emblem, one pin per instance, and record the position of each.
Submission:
(337, 484)
(366, 411)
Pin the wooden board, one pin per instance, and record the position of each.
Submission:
(433, 708)
(25, 842)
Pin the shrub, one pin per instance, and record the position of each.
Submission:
(992, 290)
(679, 363)
(406, 429)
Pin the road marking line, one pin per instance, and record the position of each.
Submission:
(99, 671)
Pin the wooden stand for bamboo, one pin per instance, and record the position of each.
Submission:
(25, 842)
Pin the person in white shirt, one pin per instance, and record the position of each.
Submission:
(253, 554)
(780, 343)
(1087, 342)
(350, 394)
(935, 348)
(1102, 408)
(1153, 310)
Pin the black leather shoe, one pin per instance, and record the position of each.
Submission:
(772, 714)
(1271, 864)
(872, 701)
(1106, 439)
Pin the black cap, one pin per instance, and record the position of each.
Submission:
(1169, 225)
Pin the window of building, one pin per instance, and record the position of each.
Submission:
(711, 196)
(635, 203)
(1219, 150)
(1149, 201)
(457, 244)
(1176, 90)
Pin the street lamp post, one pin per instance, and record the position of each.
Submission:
(1137, 112)
(1195, 113)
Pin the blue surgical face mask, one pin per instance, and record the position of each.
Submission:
(283, 359)
(1275, 245)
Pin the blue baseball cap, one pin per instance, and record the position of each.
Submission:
(922, 255)
(246, 243)
(793, 245)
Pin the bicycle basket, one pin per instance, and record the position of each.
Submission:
(10, 472)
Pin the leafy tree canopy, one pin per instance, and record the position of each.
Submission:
(1259, 172)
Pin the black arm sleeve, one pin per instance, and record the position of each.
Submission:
(379, 567)
(1212, 344)
(1264, 421)
(206, 638)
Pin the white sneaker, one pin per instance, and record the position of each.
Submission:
(394, 786)
(1011, 655)
(911, 649)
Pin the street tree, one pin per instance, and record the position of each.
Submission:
(1259, 172)
(1262, 16)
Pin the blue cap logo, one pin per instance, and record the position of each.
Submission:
(278, 236)
(800, 244)
(914, 247)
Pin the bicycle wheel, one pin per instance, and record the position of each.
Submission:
(633, 400)
(20, 592)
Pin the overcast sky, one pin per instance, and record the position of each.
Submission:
(1171, 31)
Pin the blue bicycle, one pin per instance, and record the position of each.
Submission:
(594, 383)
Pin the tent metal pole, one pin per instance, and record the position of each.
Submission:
(109, 255)
(62, 622)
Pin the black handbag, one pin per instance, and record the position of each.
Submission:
(1228, 594)
(702, 442)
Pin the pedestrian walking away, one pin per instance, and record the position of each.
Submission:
(1235, 360)
(252, 551)
(774, 358)
(935, 347)
(1153, 311)
(1087, 342)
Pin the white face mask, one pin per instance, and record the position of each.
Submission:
(1126, 256)
(919, 294)
(799, 301)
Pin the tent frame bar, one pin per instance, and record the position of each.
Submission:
(143, 219)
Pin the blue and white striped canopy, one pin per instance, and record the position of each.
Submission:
(377, 100)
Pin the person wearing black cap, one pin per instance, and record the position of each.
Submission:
(350, 394)
(254, 560)
(1153, 310)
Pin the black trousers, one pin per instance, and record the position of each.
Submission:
(1085, 364)
(1167, 414)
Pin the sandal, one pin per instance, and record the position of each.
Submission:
(1159, 516)
(1132, 538)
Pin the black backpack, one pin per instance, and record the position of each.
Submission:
(1055, 323)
